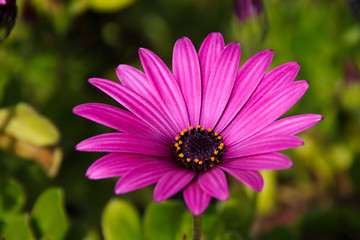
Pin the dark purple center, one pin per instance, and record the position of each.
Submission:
(198, 149)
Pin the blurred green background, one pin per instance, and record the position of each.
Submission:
(55, 46)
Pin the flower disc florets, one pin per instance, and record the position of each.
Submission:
(198, 149)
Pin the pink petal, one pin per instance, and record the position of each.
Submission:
(123, 143)
(214, 183)
(251, 178)
(268, 161)
(186, 70)
(248, 78)
(252, 119)
(135, 80)
(138, 105)
(142, 176)
(281, 75)
(166, 88)
(262, 145)
(117, 164)
(209, 51)
(196, 199)
(290, 125)
(116, 118)
(220, 85)
(172, 182)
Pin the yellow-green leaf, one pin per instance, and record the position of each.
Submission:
(17, 227)
(49, 214)
(162, 220)
(24, 123)
(120, 220)
(109, 5)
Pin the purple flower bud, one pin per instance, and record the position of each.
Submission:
(351, 72)
(245, 9)
(8, 13)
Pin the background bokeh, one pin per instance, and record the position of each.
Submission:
(55, 46)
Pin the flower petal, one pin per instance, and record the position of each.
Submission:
(186, 69)
(138, 105)
(142, 176)
(171, 183)
(248, 78)
(115, 118)
(220, 85)
(166, 88)
(135, 80)
(290, 125)
(252, 119)
(196, 199)
(262, 145)
(214, 183)
(117, 164)
(209, 51)
(251, 178)
(281, 75)
(123, 143)
(268, 161)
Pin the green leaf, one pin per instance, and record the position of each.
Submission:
(12, 197)
(110, 5)
(17, 227)
(120, 220)
(49, 215)
(186, 227)
(162, 220)
(24, 123)
(237, 213)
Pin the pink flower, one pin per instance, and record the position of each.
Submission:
(184, 130)
(2, 2)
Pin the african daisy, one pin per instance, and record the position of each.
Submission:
(185, 129)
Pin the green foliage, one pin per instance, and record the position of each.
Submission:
(12, 197)
(120, 220)
(49, 215)
(18, 227)
(161, 221)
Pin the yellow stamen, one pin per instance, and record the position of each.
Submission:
(182, 133)
(178, 149)
(212, 159)
(191, 128)
(216, 152)
(221, 144)
(220, 147)
(198, 126)
(188, 159)
(219, 137)
(202, 129)
(209, 130)
(181, 155)
(180, 142)
(200, 162)
(196, 160)
(177, 138)
(176, 145)
(216, 134)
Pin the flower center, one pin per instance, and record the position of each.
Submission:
(198, 149)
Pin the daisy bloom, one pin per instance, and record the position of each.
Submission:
(185, 129)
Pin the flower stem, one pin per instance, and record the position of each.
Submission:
(197, 227)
